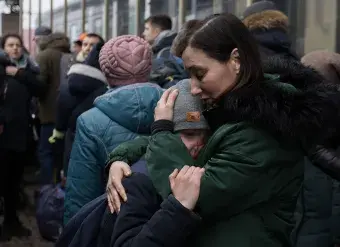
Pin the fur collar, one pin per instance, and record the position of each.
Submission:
(88, 71)
(266, 20)
(297, 104)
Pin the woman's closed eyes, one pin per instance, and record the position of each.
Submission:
(198, 73)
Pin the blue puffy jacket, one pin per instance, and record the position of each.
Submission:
(117, 116)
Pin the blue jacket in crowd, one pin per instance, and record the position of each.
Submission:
(117, 116)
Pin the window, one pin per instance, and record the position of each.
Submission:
(98, 26)
(74, 32)
(204, 8)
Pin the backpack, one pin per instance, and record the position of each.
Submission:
(167, 69)
(50, 211)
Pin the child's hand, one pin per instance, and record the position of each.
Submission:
(185, 185)
(115, 190)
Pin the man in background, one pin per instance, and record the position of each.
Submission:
(157, 31)
(88, 42)
(40, 32)
(52, 48)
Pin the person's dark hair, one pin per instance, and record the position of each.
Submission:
(217, 38)
(164, 22)
(187, 30)
(78, 42)
(94, 35)
(10, 35)
(182, 39)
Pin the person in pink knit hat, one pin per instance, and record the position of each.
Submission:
(126, 60)
(123, 113)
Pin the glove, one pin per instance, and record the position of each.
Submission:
(55, 136)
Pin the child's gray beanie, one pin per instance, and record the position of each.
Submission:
(188, 109)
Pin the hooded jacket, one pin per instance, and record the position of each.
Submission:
(162, 41)
(82, 81)
(117, 116)
(52, 48)
(270, 29)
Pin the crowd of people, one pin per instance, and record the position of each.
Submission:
(218, 135)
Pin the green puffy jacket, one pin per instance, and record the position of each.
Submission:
(249, 189)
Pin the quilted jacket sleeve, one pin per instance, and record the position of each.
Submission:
(327, 159)
(129, 152)
(85, 180)
(165, 153)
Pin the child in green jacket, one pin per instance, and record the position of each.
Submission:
(189, 124)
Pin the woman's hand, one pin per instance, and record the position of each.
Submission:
(165, 106)
(185, 185)
(115, 190)
(11, 70)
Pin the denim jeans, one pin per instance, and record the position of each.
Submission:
(45, 154)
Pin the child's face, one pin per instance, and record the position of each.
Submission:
(194, 140)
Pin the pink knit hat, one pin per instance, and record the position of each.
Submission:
(126, 60)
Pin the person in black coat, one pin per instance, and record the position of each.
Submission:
(18, 80)
(318, 210)
(83, 79)
(146, 220)
(85, 83)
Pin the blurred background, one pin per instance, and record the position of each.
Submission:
(314, 23)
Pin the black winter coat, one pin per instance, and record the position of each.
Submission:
(318, 207)
(318, 210)
(82, 107)
(146, 220)
(289, 68)
(83, 80)
(15, 105)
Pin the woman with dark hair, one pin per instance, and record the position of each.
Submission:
(18, 83)
(254, 160)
